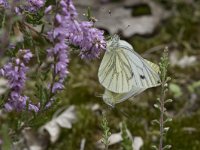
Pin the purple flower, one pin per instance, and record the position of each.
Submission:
(68, 9)
(20, 103)
(83, 34)
(59, 53)
(27, 56)
(4, 3)
(57, 86)
(37, 3)
(48, 9)
(15, 71)
(93, 42)
(32, 5)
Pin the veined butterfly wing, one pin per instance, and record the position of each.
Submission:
(111, 98)
(115, 72)
(145, 73)
(155, 67)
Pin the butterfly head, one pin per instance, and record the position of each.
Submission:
(113, 43)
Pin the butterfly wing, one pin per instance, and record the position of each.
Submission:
(145, 73)
(111, 98)
(155, 67)
(115, 72)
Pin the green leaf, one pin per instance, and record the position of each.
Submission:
(167, 147)
(175, 89)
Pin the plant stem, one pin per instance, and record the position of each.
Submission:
(106, 148)
(163, 66)
(35, 31)
(162, 111)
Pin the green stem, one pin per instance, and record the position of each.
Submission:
(106, 148)
(162, 111)
(164, 65)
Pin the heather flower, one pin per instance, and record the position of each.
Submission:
(31, 5)
(60, 67)
(57, 86)
(48, 9)
(68, 9)
(59, 54)
(3, 3)
(83, 34)
(37, 3)
(93, 42)
(15, 72)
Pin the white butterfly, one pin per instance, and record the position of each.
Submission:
(124, 73)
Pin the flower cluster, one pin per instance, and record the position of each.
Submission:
(35, 4)
(59, 55)
(83, 34)
(93, 41)
(68, 30)
(15, 72)
(32, 5)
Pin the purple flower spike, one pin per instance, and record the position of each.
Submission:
(15, 71)
(60, 67)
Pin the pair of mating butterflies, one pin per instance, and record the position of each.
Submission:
(124, 73)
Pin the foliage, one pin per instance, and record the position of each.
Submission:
(161, 102)
(106, 132)
(126, 142)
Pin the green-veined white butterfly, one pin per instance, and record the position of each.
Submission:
(122, 68)
(124, 73)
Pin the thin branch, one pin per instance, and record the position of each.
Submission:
(34, 30)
